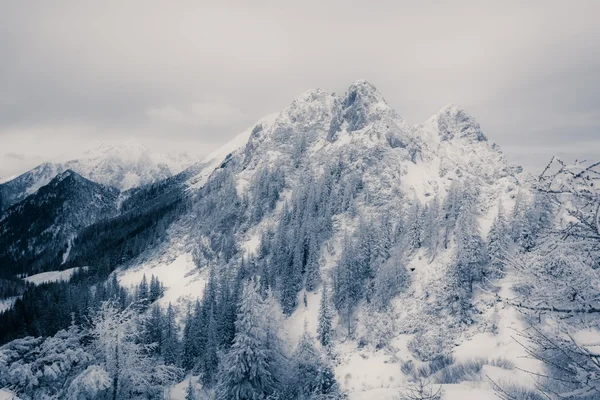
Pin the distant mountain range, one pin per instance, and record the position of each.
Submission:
(123, 166)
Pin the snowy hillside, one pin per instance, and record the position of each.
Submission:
(330, 251)
(120, 165)
(52, 276)
(398, 167)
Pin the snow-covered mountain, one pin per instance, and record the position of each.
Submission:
(37, 232)
(121, 165)
(356, 150)
(423, 244)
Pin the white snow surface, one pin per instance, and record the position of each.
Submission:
(6, 394)
(51, 276)
(183, 281)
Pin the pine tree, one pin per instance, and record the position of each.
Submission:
(450, 210)
(313, 377)
(143, 289)
(498, 242)
(431, 228)
(189, 393)
(274, 343)
(414, 226)
(348, 284)
(470, 252)
(210, 358)
(247, 368)
(156, 289)
(312, 264)
(308, 363)
(518, 217)
(170, 342)
(325, 328)
(123, 355)
(189, 353)
(154, 329)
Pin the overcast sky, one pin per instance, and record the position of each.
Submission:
(189, 75)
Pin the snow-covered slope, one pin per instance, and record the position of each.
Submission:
(51, 276)
(120, 165)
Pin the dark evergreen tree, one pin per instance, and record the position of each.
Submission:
(325, 326)
(210, 358)
(189, 351)
(156, 289)
(414, 226)
(498, 242)
(154, 328)
(470, 253)
(247, 371)
(189, 392)
(170, 341)
(308, 365)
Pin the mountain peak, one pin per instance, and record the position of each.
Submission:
(362, 91)
(364, 104)
(65, 174)
(453, 121)
(129, 149)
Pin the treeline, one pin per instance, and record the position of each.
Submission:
(43, 310)
(11, 287)
(36, 230)
(232, 339)
(374, 260)
(113, 242)
(127, 347)
(289, 256)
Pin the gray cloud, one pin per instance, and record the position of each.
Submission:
(192, 74)
(15, 156)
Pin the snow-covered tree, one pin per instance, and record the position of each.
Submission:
(40, 368)
(156, 289)
(190, 392)
(518, 218)
(431, 228)
(210, 358)
(470, 256)
(558, 278)
(391, 279)
(189, 342)
(313, 377)
(325, 326)
(170, 338)
(142, 293)
(498, 242)
(247, 369)
(308, 363)
(450, 210)
(348, 281)
(414, 226)
(275, 343)
(93, 383)
(124, 357)
(153, 329)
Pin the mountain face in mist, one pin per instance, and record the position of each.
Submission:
(122, 166)
(330, 250)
